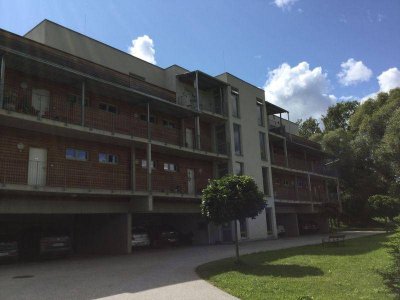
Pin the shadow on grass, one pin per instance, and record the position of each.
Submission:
(261, 263)
(283, 271)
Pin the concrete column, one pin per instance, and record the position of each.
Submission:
(272, 204)
(133, 168)
(2, 79)
(296, 189)
(286, 154)
(183, 133)
(83, 104)
(148, 122)
(197, 132)
(149, 169)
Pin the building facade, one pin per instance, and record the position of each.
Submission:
(97, 140)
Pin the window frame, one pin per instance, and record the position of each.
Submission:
(171, 167)
(76, 155)
(107, 107)
(114, 161)
(241, 166)
(235, 102)
(263, 148)
(239, 151)
(260, 109)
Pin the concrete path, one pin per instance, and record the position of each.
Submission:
(150, 274)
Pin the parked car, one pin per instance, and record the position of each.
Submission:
(55, 243)
(164, 235)
(8, 247)
(140, 237)
(309, 227)
(281, 230)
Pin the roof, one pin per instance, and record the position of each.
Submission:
(273, 109)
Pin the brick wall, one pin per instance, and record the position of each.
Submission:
(127, 120)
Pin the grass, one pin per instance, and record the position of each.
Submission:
(312, 272)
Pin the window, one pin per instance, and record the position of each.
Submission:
(222, 170)
(235, 103)
(170, 167)
(169, 124)
(153, 119)
(260, 112)
(108, 107)
(77, 99)
(265, 181)
(263, 148)
(237, 139)
(238, 168)
(144, 164)
(108, 158)
(75, 154)
(285, 182)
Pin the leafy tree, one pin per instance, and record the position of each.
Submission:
(232, 198)
(384, 206)
(338, 115)
(309, 127)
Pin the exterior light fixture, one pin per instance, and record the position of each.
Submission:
(20, 147)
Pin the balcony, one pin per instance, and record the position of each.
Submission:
(66, 108)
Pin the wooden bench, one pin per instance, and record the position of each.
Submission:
(334, 239)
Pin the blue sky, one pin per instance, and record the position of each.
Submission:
(251, 39)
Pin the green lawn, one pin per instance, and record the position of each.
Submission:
(349, 272)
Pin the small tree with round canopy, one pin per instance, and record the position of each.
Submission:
(232, 198)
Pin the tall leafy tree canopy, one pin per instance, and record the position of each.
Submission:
(366, 140)
(309, 127)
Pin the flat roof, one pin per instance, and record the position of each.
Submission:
(273, 109)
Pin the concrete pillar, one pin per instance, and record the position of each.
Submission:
(272, 204)
(197, 132)
(286, 154)
(2, 79)
(133, 168)
(296, 189)
(149, 167)
(83, 104)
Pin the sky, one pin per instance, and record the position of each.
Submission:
(305, 54)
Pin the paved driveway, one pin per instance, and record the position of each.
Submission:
(152, 274)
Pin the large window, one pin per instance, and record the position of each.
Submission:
(237, 139)
(235, 103)
(106, 158)
(263, 148)
(170, 167)
(265, 181)
(260, 112)
(238, 168)
(152, 163)
(75, 154)
(108, 107)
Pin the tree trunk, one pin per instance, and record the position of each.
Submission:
(236, 242)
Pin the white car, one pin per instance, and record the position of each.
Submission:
(140, 237)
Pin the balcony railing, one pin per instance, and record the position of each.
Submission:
(62, 108)
(83, 175)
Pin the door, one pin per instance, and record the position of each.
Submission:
(190, 175)
(189, 138)
(37, 166)
(40, 101)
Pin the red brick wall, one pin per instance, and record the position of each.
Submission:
(167, 181)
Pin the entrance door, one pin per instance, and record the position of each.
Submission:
(41, 100)
(190, 175)
(37, 166)
(189, 138)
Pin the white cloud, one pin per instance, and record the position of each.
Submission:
(143, 48)
(389, 79)
(302, 91)
(285, 4)
(353, 72)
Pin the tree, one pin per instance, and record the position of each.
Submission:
(384, 206)
(309, 127)
(338, 115)
(232, 198)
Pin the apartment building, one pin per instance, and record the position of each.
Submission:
(97, 140)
